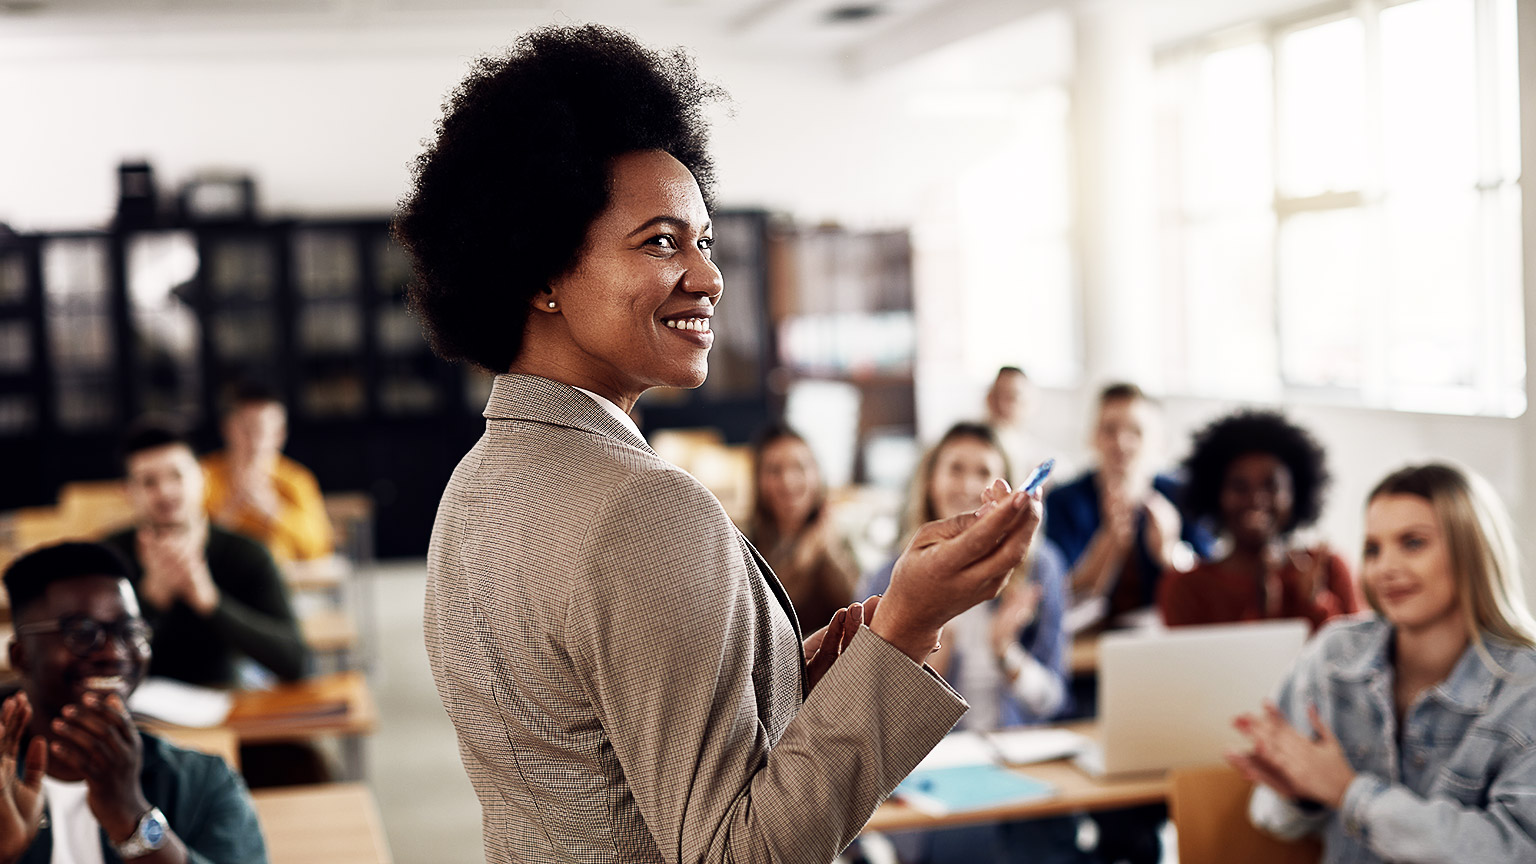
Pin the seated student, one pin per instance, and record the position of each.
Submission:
(1260, 477)
(790, 524)
(253, 489)
(1118, 525)
(213, 597)
(110, 792)
(1407, 736)
(1010, 401)
(1007, 657)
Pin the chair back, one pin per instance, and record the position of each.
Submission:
(1209, 806)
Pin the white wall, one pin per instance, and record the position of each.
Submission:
(328, 121)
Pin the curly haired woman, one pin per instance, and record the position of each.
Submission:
(1260, 477)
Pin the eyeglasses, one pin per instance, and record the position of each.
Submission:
(84, 636)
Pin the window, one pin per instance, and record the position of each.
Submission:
(1340, 210)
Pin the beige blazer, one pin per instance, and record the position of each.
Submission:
(624, 674)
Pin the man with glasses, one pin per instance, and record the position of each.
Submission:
(68, 746)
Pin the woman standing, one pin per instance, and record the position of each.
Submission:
(1406, 737)
(624, 674)
(1260, 477)
(791, 526)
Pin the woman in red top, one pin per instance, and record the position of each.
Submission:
(1260, 477)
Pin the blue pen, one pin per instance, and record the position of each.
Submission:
(1037, 476)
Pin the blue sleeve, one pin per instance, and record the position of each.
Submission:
(1070, 519)
(1048, 641)
(876, 582)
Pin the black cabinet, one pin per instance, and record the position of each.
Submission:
(97, 328)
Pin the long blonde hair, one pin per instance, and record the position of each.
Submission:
(1481, 547)
(920, 507)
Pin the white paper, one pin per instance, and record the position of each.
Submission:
(1025, 746)
(180, 703)
(959, 748)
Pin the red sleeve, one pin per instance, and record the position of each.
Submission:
(1178, 597)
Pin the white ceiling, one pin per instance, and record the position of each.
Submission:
(896, 32)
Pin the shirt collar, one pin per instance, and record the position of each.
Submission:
(616, 411)
(1468, 688)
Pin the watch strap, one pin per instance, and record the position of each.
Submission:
(150, 835)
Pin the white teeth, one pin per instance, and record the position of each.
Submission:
(698, 325)
(104, 682)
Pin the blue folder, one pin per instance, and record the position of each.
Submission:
(958, 788)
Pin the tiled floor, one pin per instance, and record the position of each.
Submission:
(429, 809)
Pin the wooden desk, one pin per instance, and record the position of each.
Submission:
(339, 705)
(1075, 791)
(327, 575)
(216, 741)
(329, 823)
(329, 630)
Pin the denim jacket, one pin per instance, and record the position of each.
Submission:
(1457, 784)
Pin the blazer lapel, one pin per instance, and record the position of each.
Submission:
(789, 608)
(540, 400)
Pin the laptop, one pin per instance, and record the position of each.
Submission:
(1167, 698)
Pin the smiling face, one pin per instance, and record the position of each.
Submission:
(789, 483)
(634, 313)
(962, 469)
(55, 676)
(1122, 433)
(165, 486)
(1257, 499)
(1407, 567)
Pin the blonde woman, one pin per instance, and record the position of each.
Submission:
(1410, 736)
(1007, 657)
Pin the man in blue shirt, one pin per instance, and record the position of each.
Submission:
(1119, 525)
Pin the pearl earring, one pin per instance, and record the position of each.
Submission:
(551, 304)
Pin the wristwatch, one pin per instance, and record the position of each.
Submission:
(149, 836)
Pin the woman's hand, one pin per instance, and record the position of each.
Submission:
(1014, 613)
(823, 647)
(950, 566)
(21, 791)
(1296, 767)
(1164, 530)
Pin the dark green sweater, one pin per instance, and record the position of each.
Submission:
(254, 618)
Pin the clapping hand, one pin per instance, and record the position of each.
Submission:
(823, 647)
(97, 740)
(21, 791)
(1164, 528)
(1295, 766)
(1017, 609)
(175, 569)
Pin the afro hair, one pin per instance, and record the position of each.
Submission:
(501, 201)
(1219, 444)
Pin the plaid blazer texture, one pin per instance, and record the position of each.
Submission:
(624, 680)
